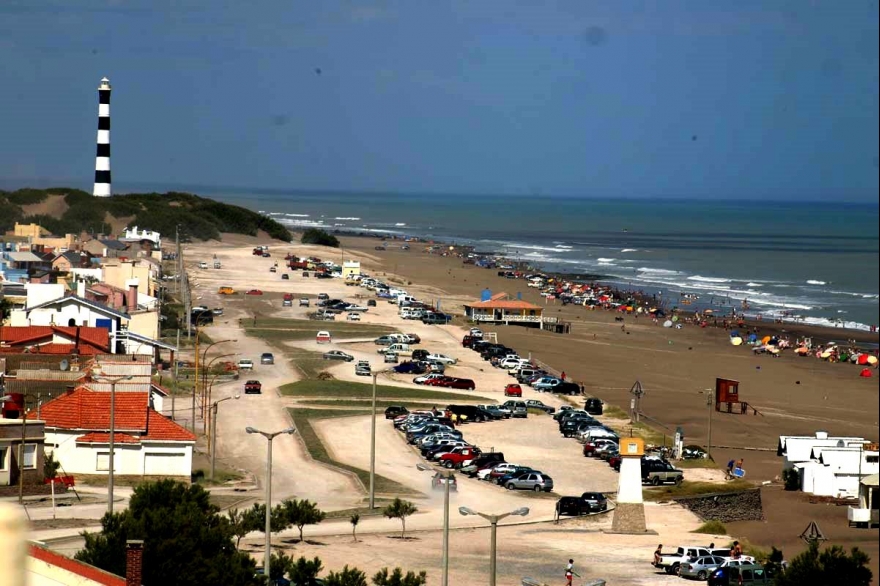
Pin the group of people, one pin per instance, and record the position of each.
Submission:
(736, 552)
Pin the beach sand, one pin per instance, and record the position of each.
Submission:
(794, 395)
(675, 367)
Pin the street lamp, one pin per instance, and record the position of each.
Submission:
(21, 449)
(214, 430)
(97, 377)
(208, 386)
(196, 382)
(373, 442)
(448, 475)
(269, 437)
(493, 519)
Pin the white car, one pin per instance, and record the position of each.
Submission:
(353, 317)
(442, 358)
(357, 308)
(420, 380)
(245, 364)
(203, 265)
(476, 333)
(503, 467)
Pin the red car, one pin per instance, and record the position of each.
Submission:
(614, 462)
(253, 387)
(457, 383)
(513, 390)
(254, 292)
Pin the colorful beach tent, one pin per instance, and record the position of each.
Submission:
(753, 337)
(766, 340)
(872, 360)
(736, 340)
(862, 359)
(866, 373)
(802, 350)
(667, 324)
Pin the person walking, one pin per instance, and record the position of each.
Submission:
(570, 573)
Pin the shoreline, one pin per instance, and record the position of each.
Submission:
(777, 325)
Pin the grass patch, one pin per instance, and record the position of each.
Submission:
(697, 463)
(282, 330)
(353, 390)
(302, 419)
(536, 411)
(309, 363)
(221, 476)
(363, 403)
(614, 412)
(666, 492)
(711, 528)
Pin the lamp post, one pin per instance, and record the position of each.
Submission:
(21, 450)
(373, 442)
(214, 430)
(448, 475)
(269, 437)
(208, 386)
(207, 368)
(97, 377)
(493, 519)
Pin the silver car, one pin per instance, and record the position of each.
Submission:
(530, 481)
(700, 567)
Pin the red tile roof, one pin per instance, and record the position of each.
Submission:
(76, 567)
(90, 410)
(84, 349)
(504, 304)
(97, 437)
(162, 429)
(19, 335)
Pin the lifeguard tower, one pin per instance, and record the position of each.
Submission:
(727, 398)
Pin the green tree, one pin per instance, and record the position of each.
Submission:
(831, 567)
(318, 236)
(301, 513)
(255, 518)
(397, 578)
(400, 509)
(347, 577)
(241, 523)
(50, 466)
(304, 572)
(186, 541)
(281, 565)
(773, 563)
(354, 520)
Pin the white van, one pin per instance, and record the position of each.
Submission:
(399, 349)
(401, 299)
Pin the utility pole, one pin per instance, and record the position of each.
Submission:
(176, 373)
(709, 404)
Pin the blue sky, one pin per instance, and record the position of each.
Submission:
(704, 99)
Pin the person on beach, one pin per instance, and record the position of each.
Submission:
(736, 551)
(657, 555)
(570, 573)
(730, 466)
(562, 376)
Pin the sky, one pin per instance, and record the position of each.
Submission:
(620, 98)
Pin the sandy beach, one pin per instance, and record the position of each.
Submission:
(675, 367)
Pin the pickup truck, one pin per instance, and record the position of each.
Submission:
(458, 456)
(399, 349)
(670, 562)
(657, 472)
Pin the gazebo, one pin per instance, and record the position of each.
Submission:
(867, 513)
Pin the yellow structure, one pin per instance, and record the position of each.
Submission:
(351, 269)
(118, 272)
(30, 230)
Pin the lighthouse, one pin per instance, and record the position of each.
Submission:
(102, 157)
(629, 515)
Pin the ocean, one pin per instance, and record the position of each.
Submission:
(818, 261)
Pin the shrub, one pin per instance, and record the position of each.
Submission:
(791, 479)
(320, 237)
(712, 527)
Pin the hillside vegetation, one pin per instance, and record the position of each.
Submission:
(199, 218)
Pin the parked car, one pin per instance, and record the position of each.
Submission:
(285, 276)
(409, 367)
(495, 412)
(671, 560)
(513, 391)
(253, 292)
(458, 383)
(536, 481)
(245, 364)
(658, 472)
(337, 355)
(591, 446)
(371, 303)
(267, 358)
(596, 501)
(589, 502)
(534, 404)
(744, 574)
(545, 383)
(253, 387)
(393, 411)
(517, 408)
(442, 358)
(390, 358)
(353, 317)
(700, 567)
(564, 388)
(363, 368)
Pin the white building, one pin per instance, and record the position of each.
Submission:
(829, 466)
(133, 234)
(146, 442)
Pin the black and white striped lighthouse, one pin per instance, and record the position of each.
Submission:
(102, 157)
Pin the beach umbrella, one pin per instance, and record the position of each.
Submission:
(802, 350)
(825, 354)
(753, 337)
(862, 359)
(667, 324)
(736, 340)
(708, 311)
(766, 340)
(872, 360)
(674, 318)
(866, 373)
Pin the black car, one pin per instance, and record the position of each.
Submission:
(436, 318)
(395, 410)
(419, 354)
(566, 388)
(596, 500)
(410, 368)
(593, 406)
(575, 506)
(371, 303)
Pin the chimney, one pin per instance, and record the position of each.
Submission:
(131, 301)
(134, 562)
(81, 288)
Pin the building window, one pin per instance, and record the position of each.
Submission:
(872, 459)
(30, 456)
(3, 451)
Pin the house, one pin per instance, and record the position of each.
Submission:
(106, 248)
(10, 450)
(54, 339)
(829, 466)
(70, 260)
(45, 567)
(795, 449)
(867, 512)
(351, 269)
(146, 442)
(499, 310)
(117, 271)
(143, 236)
(30, 230)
